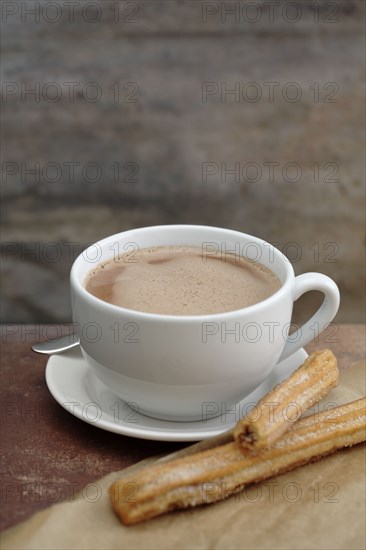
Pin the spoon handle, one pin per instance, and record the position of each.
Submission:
(58, 345)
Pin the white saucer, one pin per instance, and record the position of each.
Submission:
(75, 387)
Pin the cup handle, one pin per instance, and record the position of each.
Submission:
(324, 315)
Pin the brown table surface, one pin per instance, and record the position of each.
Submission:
(48, 455)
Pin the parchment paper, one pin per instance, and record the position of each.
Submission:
(318, 506)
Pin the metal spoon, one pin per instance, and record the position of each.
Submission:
(58, 345)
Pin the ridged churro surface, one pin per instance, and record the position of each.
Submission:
(284, 405)
(215, 474)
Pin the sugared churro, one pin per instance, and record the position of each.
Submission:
(284, 405)
(217, 473)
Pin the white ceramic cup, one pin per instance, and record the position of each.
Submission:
(171, 367)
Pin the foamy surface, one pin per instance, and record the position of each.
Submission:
(175, 280)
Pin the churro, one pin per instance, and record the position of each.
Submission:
(284, 405)
(217, 473)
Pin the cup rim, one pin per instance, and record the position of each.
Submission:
(77, 285)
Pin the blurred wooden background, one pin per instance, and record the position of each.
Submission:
(124, 114)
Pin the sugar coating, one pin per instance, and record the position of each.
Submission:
(180, 280)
